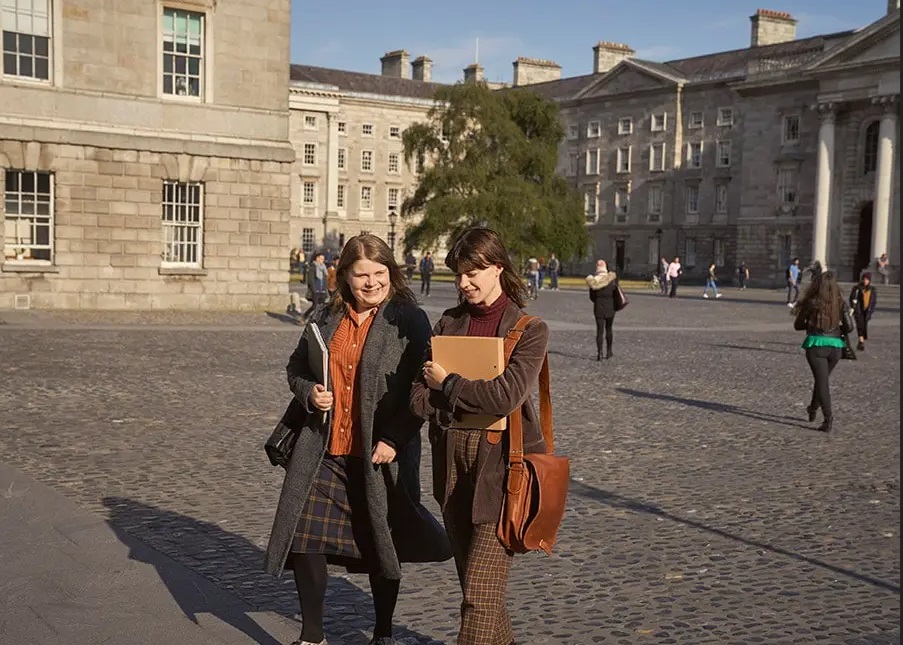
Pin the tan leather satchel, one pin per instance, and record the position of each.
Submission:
(537, 484)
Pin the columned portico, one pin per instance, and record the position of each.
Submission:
(884, 176)
(823, 183)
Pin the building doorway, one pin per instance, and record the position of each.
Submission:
(864, 242)
(620, 256)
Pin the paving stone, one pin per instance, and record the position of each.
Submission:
(703, 508)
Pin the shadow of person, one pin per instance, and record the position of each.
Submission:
(233, 566)
(286, 318)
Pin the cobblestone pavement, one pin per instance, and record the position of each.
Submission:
(704, 508)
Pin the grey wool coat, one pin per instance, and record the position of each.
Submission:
(403, 530)
(499, 396)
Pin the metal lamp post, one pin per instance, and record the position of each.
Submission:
(393, 217)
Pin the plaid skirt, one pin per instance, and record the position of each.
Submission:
(335, 520)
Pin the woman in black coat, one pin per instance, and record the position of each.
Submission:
(602, 286)
(863, 300)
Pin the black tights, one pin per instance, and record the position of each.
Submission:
(310, 580)
(604, 333)
(822, 361)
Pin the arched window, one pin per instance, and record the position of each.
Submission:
(870, 148)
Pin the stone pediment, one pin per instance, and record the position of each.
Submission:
(627, 77)
(877, 43)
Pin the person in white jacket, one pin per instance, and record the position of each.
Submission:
(674, 273)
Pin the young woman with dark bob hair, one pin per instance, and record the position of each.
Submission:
(469, 465)
(819, 313)
(351, 494)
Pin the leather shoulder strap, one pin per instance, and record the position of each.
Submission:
(515, 419)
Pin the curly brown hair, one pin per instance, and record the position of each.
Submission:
(373, 248)
(478, 248)
(821, 306)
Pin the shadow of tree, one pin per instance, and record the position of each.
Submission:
(753, 348)
(718, 407)
(619, 501)
(234, 565)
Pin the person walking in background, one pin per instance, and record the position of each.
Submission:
(819, 313)
(427, 266)
(793, 282)
(863, 299)
(331, 277)
(742, 276)
(410, 265)
(351, 493)
(883, 268)
(554, 269)
(317, 291)
(542, 272)
(663, 276)
(602, 285)
(469, 466)
(674, 273)
(711, 282)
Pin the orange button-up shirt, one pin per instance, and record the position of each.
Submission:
(345, 351)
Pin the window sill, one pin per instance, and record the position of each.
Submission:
(195, 271)
(23, 267)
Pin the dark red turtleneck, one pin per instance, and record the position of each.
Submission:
(484, 321)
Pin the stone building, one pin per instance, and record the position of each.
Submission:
(785, 148)
(145, 154)
(350, 174)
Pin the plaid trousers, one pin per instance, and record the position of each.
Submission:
(483, 563)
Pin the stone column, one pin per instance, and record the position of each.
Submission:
(332, 164)
(884, 176)
(823, 183)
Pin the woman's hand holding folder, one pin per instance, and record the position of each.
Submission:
(321, 398)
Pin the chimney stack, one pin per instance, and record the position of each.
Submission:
(528, 71)
(607, 55)
(422, 68)
(396, 64)
(473, 73)
(771, 27)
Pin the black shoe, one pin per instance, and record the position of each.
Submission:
(826, 425)
(608, 353)
(383, 640)
(812, 412)
(861, 347)
(599, 355)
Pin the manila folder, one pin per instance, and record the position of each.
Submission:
(474, 358)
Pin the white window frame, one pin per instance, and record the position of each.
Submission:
(393, 165)
(622, 200)
(788, 188)
(591, 204)
(310, 122)
(725, 117)
(308, 241)
(394, 132)
(366, 203)
(390, 203)
(573, 132)
(722, 197)
(181, 228)
(655, 206)
(366, 161)
(593, 130)
(342, 158)
(340, 195)
(663, 117)
(690, 251)
(367, 130)
(341, 127)
(663, 164)
(20, 221)
(696, 120)
(624, 159)
(787, 132)
(309, 155)
(691, 147)
(625, 125)
(204, 58)
(718, 251)
(309, 198)
(723, 160)
(691, 189)
(28, 24)
(592, 155)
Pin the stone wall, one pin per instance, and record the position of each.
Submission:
(108, 231)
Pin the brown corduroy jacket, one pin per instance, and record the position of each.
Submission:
(499, 396)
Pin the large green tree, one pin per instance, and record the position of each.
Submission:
(488, 158)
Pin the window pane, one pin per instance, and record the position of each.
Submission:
(27, 182)
(25, 66)
(9, 41)
(194, 66)
(167, 63)
(26, 43)
(9, 64)
(181, 65)
(41, 68)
